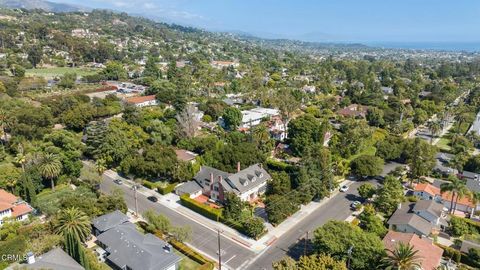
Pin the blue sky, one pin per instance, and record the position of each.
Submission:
(320, 20)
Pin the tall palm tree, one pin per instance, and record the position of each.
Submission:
(454, 185)
(462, 192)
(72, 221)
(434, 127)
(50, 167)
(403, 257)
(6, 121)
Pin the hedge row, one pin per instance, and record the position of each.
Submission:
(149, 185)
(279, 165)
(192, 254)
(463, 226)
(166, 189)
(205, 210)
(451, 253)
(214, 214)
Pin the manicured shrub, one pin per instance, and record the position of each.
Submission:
(166, 189)
(149, 185)
(451, 253)
(205, 210)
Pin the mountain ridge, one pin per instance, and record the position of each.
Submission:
(43, 4)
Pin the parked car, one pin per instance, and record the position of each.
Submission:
(344, 188)
(118, 181)
(152, 198)
(354, 205)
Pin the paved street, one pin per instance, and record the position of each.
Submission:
(292, 243)
(203, 239)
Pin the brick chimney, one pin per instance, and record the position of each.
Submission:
(211, 178)
(238, 167)
(220, 179)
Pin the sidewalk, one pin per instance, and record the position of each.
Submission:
(172, 201)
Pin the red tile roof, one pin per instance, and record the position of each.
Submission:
(4, 206)
(21, 209)
(141, 99)
(429, 253)
(7, 197)
(355, 110)
(447, 196)
(430, 189)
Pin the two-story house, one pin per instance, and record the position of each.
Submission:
(247, 184)
(425, 191)
(13, 207)
(424, 217)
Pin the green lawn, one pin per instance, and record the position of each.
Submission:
(187, 263)
(59, 71)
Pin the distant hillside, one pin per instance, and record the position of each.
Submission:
(41, 4)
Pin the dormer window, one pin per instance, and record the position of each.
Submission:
(259, 174)
(243, 181)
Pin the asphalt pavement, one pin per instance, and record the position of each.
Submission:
(292, 243)
(203, 239)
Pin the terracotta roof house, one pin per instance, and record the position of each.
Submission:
(247, 184)
(425, 191)
(13, 207)
(142, 101)
(354, 110)
(422, 218)
(430, 254)
(464, 204)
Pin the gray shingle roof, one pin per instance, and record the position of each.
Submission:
(248, 178)
(128, 247)
(431, 206)
(110, 220)
(189, 187)
(55, 259)
(204, 174)
(404, 216)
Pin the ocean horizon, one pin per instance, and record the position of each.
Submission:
(437, 46)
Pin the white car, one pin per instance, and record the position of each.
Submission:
(354, 205)
(343, 188)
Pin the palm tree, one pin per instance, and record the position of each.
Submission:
(403, 257)
(6, 121)
(50, 167)
(435, 127)
(454, 186)
(74, 222)
(462, 192)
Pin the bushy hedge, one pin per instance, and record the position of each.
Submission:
(205, 210)
(451, 253)
(463, 226)
(216, 214)
(166, 189)
(279, 165)
(149, 185)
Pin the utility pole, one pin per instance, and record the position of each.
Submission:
(136, 203)
(219, 251)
